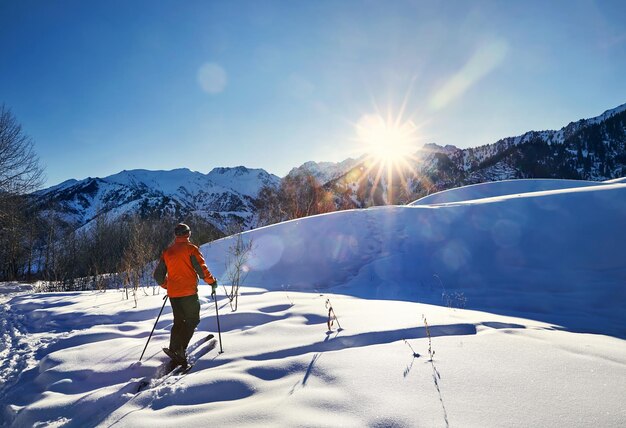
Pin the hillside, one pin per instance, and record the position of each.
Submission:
(539, 343)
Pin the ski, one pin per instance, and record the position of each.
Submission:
(171, 368)
(196, 357)
(179, 371)
(199, 343)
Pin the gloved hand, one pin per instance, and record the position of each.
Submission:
(214, 287)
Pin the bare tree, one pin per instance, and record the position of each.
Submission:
(236, 266)
(270, 206)
(12, 248)
(302, 196)
(138, 254)
(20, 171)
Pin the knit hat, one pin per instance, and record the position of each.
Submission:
(182, 229)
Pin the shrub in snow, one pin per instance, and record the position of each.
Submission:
(431, 352)
(332, 317)
(452, 299)
(236, 267)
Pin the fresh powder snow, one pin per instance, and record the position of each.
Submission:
(496, 306)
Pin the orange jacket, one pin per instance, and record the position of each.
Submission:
(179, 268)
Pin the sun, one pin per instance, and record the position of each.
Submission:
(386, 140)
(391, 146)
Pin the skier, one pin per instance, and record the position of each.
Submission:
(178, 271)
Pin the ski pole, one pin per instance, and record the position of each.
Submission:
(217, 316)
(155, 324)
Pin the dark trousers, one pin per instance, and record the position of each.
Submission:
(186, 318)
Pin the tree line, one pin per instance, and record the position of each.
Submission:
(42, 246)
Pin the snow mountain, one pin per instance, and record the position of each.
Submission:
(590, 149)
(221, 196)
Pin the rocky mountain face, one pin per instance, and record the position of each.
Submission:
(590, 149)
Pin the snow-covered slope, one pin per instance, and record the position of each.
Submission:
(616, 180)
(243, 180)
(546, 253)
(77, 354)
(167, 182)
(537, 271)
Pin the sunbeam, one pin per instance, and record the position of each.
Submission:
(391, 143)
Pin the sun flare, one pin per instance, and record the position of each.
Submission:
(387, 141)
(391, 146)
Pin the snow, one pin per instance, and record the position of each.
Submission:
(616, 180)
(58, 187)
(540, 342)
(168, 182)
(436, 148)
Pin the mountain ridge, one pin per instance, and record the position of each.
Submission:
(587, 149)
(178, 192)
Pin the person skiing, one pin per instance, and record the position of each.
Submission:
(177, 271)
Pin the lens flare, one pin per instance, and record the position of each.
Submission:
(386, 140)
(391, 144)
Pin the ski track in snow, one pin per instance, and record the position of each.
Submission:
(12, 358)
(155, 385)
(373, 247)
(17, 348)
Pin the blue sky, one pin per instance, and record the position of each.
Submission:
(106, 86)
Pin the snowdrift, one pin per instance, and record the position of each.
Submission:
(551, 255)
